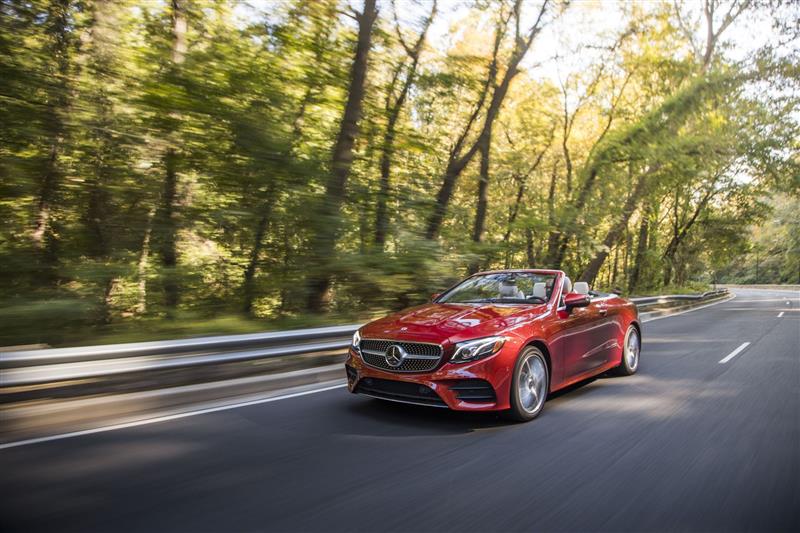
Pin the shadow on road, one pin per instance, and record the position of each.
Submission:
(385, 418)
(416, 420)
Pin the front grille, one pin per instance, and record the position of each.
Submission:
(421, 357)
(474, 391)
(401, 391)
(416, 348)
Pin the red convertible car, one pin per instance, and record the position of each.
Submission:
(497, 341)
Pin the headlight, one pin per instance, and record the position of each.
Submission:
(356, 340)
(477, 349)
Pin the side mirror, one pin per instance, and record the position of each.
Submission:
(574, 299)
(435, 295)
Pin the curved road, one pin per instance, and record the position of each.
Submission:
(689, 443)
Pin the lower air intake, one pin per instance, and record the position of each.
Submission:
(399, 391)
(474, 391)
(352, 374)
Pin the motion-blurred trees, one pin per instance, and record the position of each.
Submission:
(200, 159)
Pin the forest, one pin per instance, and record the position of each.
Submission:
(181, 167)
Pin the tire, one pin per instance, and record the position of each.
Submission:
(631, 350)
(530, 364)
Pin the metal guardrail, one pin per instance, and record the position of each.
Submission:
(32, 367)
(647, 301)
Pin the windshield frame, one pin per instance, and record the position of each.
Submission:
(557, 277)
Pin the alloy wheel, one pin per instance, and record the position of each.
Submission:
(632, 347)
(532, 383)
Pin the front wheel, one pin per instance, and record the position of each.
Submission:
(529, 386)
(630, 352)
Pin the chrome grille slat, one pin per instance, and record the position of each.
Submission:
(421, 356)
(409, 356)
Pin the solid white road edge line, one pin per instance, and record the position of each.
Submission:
(780, 314)
(166, 418)
(734, 353)
(690, 310)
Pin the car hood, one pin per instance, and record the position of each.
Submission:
(439, 322)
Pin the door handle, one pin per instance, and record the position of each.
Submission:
(603, 310)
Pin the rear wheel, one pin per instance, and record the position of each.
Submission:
(529, 386)
(630, 352)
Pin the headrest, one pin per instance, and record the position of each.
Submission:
(567, 285)
(540, 290)
(581, 287)
(510, 291)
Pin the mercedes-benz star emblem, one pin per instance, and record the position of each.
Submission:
(395, 355)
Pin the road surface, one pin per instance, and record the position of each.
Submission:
(689, 443)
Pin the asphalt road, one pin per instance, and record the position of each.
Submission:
(689, 443)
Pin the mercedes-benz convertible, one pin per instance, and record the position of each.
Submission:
(497, 341)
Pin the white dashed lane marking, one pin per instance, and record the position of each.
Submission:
(734, 353)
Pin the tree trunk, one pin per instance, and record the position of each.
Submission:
(565, 147)
(58, 31)
(553, 235)
(580, 204)
(626, 261)
(381, 215)
(387, 153)
(514, 210)
(141, 268)
(641, 249)
(436, 219)
(248, 286)
(482, 200)
(523, 182)
(483, 191)
(168, 212)
(100, 43)
(530, 252)
(180, 26)
(616, 230)
(327, 231)
(168, 228)
(679, 234)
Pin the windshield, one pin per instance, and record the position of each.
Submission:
(505, 287)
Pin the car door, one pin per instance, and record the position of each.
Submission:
(612, 330)
(581, 338)
(601, 333)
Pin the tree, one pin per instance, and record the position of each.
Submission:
(328, 227)
(58, 47)
(104, 154)
(283, 159)
(460, 155)
(284, 174)
(393, 106)
(167, 214)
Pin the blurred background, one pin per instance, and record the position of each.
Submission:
(181, 167)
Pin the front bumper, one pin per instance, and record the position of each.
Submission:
(478, 386)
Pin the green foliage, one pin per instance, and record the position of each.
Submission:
(772, 252)
(135, 131)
